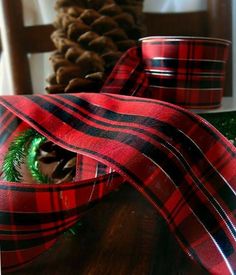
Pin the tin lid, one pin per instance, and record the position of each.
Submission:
(186, 38)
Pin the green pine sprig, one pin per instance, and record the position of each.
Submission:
(25, 147)
(32, 161)
(15, 156)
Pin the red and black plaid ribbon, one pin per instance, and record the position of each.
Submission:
(182, 165)
(186, 71)
(191, 83)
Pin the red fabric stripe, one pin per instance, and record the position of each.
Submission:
(130, 77)
(178, 161)
(52, 200)
(147, 173)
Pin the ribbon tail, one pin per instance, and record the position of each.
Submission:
(128, 76)
(33, 216)
(175, 159)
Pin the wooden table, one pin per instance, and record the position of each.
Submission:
(122, 235)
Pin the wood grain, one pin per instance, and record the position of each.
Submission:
(182, 23)
(122, 235)
(220, 25)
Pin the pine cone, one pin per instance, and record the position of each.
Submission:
(91, 36)
(57, 163)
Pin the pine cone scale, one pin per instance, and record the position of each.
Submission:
(103, 27)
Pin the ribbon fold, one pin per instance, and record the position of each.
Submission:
(181, 164)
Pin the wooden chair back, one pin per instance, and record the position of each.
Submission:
(18, 41)
(127, 227)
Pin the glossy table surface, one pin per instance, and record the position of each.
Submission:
(122, 235)
(228, 105)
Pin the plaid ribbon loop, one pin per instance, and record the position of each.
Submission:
(177, 160)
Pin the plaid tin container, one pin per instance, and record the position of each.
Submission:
(188, 71)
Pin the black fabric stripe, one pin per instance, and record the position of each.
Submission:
(31, 218)
(183, 112)
(8, 117)
(106, 114)
(7, 246)
(66, 117)
(2, 110)
(101, 169)
(9, 130)
(58, 188)
(129, 84)
(223, 215)
(28, 231)
(190, 148)
(96, 154)
(209, 65)
(180, 237)
(156, 73)
(192, 84)
(193, 105)
(216, 231)
(132, 140)
(146, 148)
(130, 87)
(73, 148)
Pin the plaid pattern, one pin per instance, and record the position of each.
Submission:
(186, 171)
(130, 77)
(182, 165)
(174, 71)
(190, 99)
(186, 49)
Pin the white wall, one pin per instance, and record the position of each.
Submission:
(38, 11)
(174, 5)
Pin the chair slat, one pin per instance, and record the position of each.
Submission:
(37, 43)
(12, 42)
(19, 40)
